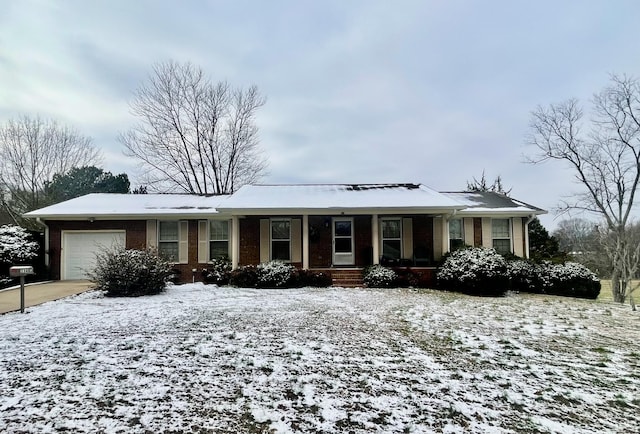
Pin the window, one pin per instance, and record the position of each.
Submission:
(218, 239)
(281, 240)
(501, 234)
(456, 234)
(168, 240)
(391, 238)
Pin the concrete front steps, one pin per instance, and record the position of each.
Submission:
(346, 278)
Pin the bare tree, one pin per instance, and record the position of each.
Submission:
(581, 239)
(32, 150)
(192, 135)
(483, 185)
(604, 154)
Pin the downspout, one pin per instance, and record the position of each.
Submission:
(526, 235)
(46, 241)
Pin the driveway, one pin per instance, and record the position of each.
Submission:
(39, 293)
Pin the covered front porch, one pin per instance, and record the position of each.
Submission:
(324, 242)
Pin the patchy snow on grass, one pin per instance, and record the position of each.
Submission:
(199, 358)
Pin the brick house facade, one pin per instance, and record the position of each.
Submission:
(366, 225)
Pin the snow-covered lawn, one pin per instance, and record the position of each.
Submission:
(205, 359)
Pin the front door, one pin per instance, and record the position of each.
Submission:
(343, 241)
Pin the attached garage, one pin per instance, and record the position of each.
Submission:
(79, 250)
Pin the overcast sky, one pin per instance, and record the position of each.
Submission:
(357, 91)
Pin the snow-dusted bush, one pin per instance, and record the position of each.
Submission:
(476, 271)
(274, 274)
(379, 276)
(524, 276)
(218, 272)
(130, 273)
(244, 277)
(314, 279)
(569, 279)
(16, 245)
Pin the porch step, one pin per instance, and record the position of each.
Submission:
(347, 278)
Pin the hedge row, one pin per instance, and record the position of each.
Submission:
(273, 274)
(481, 271)
(477, 271)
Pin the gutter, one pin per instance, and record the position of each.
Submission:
(526, 233)
(46, 241)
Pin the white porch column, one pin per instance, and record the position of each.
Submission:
(375, 239)
(305, 242)
(445, 234)
(235, 242)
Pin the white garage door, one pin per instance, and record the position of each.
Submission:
(79, 251)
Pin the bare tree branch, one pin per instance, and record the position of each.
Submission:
(606, 163)
(32, 150)
(194, 136)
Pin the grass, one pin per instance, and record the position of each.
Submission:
(607, 296)
(206, 359)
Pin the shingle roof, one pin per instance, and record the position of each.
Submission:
(338, 196)
(491, 202)
(117, 205)
(283, 199)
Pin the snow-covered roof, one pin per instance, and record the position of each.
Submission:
(131, 205)
(352, 197)
(287, 199)
(487, 202)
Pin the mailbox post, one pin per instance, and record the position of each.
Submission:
(21, 271)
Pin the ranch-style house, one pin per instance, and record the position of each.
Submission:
(336, 228)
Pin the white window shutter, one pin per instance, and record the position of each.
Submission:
(296, 240)
(467, 224)
(265, 240)
(518, 240)
(152, 234)
(203, 241)
(407, 238)
(487, 233)
(437, 238)
(183, 242)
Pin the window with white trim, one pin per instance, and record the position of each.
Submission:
(218, 239)
(281, 239)
(501, 235)
(391, 230)
(456, 234)
(168, 239)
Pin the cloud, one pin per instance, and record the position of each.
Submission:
(359, 91)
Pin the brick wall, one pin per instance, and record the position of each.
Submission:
(477, 232)
(249, 241)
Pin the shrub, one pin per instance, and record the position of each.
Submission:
(16, 246)
(524, 276)
(570, 279)
(274, 274)
(244, 277)
(130, 273)
(379, 276)
(218, 272)
(314, 279)
(475, 271)
(408, 278)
